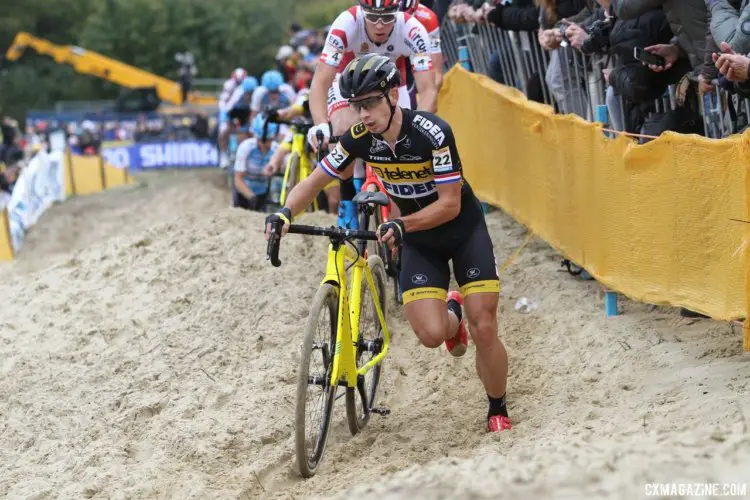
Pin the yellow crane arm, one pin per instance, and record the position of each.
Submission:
(91, 63)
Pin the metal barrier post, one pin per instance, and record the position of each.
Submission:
(520, 60)
(610, 303)
(602, 116)
(464, 57)
(505, 64)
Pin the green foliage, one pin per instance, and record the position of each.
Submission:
(222, 34)
(317, 13)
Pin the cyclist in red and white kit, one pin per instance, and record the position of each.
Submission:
(431, 23)
(374, 26)
(378, 27)
(235, 80)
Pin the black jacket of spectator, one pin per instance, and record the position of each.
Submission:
(631, 79)
(651, 28)
(563, 9)
(519, 15)
(440, 7)
(688, 19)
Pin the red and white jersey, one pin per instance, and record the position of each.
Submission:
(227, 90)
(431, 23)
(348, 39)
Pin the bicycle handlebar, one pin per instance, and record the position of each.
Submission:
(335, 233)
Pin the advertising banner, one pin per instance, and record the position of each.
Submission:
(159, 155)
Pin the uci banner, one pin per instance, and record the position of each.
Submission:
(40, 184)
(159, 155)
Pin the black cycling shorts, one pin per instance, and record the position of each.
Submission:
(256, 204)
(425, 272)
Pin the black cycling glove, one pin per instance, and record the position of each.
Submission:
(283, 216)
(398, 230)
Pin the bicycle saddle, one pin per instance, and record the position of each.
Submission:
(374, 197)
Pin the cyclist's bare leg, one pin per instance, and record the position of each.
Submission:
(492, 359)
(430, 321)
(224, 139)
(334, 197)
(342, 120)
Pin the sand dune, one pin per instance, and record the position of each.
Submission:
(148, 350)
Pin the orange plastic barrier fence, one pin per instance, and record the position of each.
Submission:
(657, 222)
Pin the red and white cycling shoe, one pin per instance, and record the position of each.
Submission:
(460, 342)
(498, 423)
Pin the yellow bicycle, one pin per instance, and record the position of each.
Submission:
(346, 336)
(298, 166)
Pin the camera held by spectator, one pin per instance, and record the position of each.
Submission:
(599, 36)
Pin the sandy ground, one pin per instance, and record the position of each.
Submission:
(148, 350)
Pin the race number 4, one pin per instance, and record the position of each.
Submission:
(442, 161)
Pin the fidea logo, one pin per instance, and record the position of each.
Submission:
(176, 154)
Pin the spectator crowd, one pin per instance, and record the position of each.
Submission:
(698, 44)
(694, 46)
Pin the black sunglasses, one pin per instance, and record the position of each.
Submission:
(369, 103)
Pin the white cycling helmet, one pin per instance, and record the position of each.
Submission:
(239, 74)
(284, 52)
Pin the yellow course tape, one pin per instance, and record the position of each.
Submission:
(509, 261)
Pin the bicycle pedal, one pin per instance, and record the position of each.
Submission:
(382, 411)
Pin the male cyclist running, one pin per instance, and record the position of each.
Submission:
(374, 26)
(235, 80)
(272, 93)
(441, 221)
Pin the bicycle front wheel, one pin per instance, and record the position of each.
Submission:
(361, 399)
(291, 177)
(315, 395)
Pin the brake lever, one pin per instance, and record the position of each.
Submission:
(319, 135)
(274, 243)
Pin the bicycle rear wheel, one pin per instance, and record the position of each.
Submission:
(361, 399)
(315, 395)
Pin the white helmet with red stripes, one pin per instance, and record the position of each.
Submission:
(239, 74)
(409, 6)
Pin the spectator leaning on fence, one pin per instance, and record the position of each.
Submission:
(518, 15)
(735, 68)
(730, 23)
(563, 72)
(689, 21)
(629, 80)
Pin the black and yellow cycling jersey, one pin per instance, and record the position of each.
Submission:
(425, 157)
